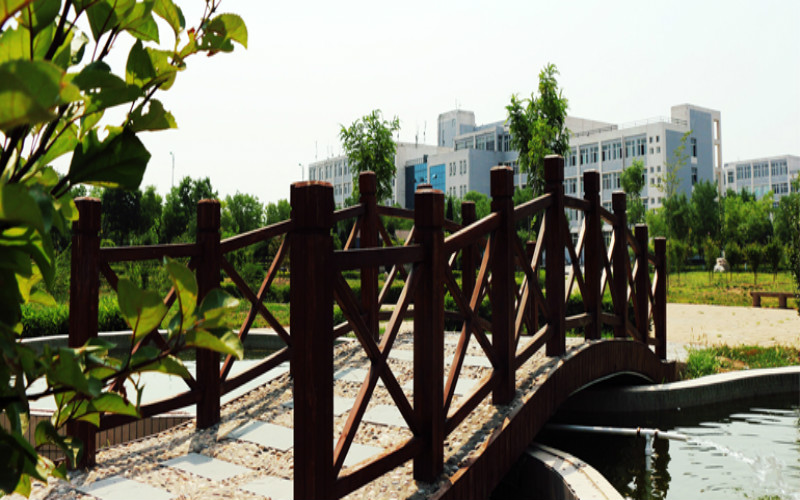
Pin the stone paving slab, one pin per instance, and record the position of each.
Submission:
(122, 488)
(385, 415)
(203, 466)
(276, 488)
(269, 435)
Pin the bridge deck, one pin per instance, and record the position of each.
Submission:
(249, 454)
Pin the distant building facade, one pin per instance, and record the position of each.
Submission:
(465, 153)
(763, 175)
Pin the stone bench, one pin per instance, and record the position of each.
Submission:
(782, 296)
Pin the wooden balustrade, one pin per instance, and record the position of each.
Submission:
(490, 256)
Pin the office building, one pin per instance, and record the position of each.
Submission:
(762, 175)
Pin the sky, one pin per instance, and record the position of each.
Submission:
(252, 120)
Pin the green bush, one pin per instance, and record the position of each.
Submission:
(39, 321)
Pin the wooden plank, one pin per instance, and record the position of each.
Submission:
(471, 234)
(348, 213)
(594, 255)
(354, 479)
(576, 203)
(368, 186)
(388, 256)
(150, 252)
(532, 207)
(255, 236)
(621, 263)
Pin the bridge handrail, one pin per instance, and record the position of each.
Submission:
(427, 260)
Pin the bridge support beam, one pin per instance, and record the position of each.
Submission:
(621, 263)
(311, 308)
(555, 234)
(208, 278)
(368, 188)
(429, 335)
(503, 285)
(593, 249)
(660, 298)
(642, 283)
(84, 294)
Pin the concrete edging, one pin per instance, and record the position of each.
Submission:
(709, 390)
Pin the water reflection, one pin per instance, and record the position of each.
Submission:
(734, 452)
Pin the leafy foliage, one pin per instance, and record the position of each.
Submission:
(537, 127)
(632, 184)
(178, 219)
(55, 89)
(368, 145)
(754, 255)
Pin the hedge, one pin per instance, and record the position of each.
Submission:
(39, 321)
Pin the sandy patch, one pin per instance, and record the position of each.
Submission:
(706, 324)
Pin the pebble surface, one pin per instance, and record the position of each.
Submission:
(141, 460)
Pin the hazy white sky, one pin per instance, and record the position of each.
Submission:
(248, 119)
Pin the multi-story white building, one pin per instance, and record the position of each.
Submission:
(466, 152)
(762, 175)
(336, 170)
(609, 148)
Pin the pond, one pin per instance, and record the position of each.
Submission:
(747, 452)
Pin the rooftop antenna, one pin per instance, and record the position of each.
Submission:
(316, 150)
(416, 137)
(424, 129)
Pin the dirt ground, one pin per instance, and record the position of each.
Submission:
(710, 325)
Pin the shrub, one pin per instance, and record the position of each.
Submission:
(734, 255)
(754, 255)
(39, 321)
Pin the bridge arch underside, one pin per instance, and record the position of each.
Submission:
(579, 367)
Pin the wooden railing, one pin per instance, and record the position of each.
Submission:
(525, 317)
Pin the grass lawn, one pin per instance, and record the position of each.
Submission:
(720, 359)
(727, 289)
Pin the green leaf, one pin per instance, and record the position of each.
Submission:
(148, 67)
(139, 22)
(169, 365)
(171, 13)
(223, 29)
(103, 88)
(64, 143)
(34, 244)
(143, 310)
(186, 287)
(106, 15)
(46, 433)
(111, 402)
(227, 343)
(30, 90)
(39, 14)
(215, 308)
(17, 206)
(10, 7)
(156, 118)
(118, 161)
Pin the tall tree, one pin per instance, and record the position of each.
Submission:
(55, 87)
(632, 184)
(368, 145)
(671, 205)
(179, 217)
(241, 213)
(705, 216)
(537, 127)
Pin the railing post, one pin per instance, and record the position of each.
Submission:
(642, 283)
(468, 254)
(555, 232)
(660, 298)
(503, 285)
(84, 297)
(208, 278)
(429, 334)
(621, 261)
(311, 313)
(368, 187)
(593, 249)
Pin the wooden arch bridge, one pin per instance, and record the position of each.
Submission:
(526, 289)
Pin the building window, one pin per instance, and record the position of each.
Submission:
(694, 147)
(641, 146)
(730, 177)
(571, 186)
(651, 139)
(694, 176)
(658, 149)
(651, 150)
(657, 138)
